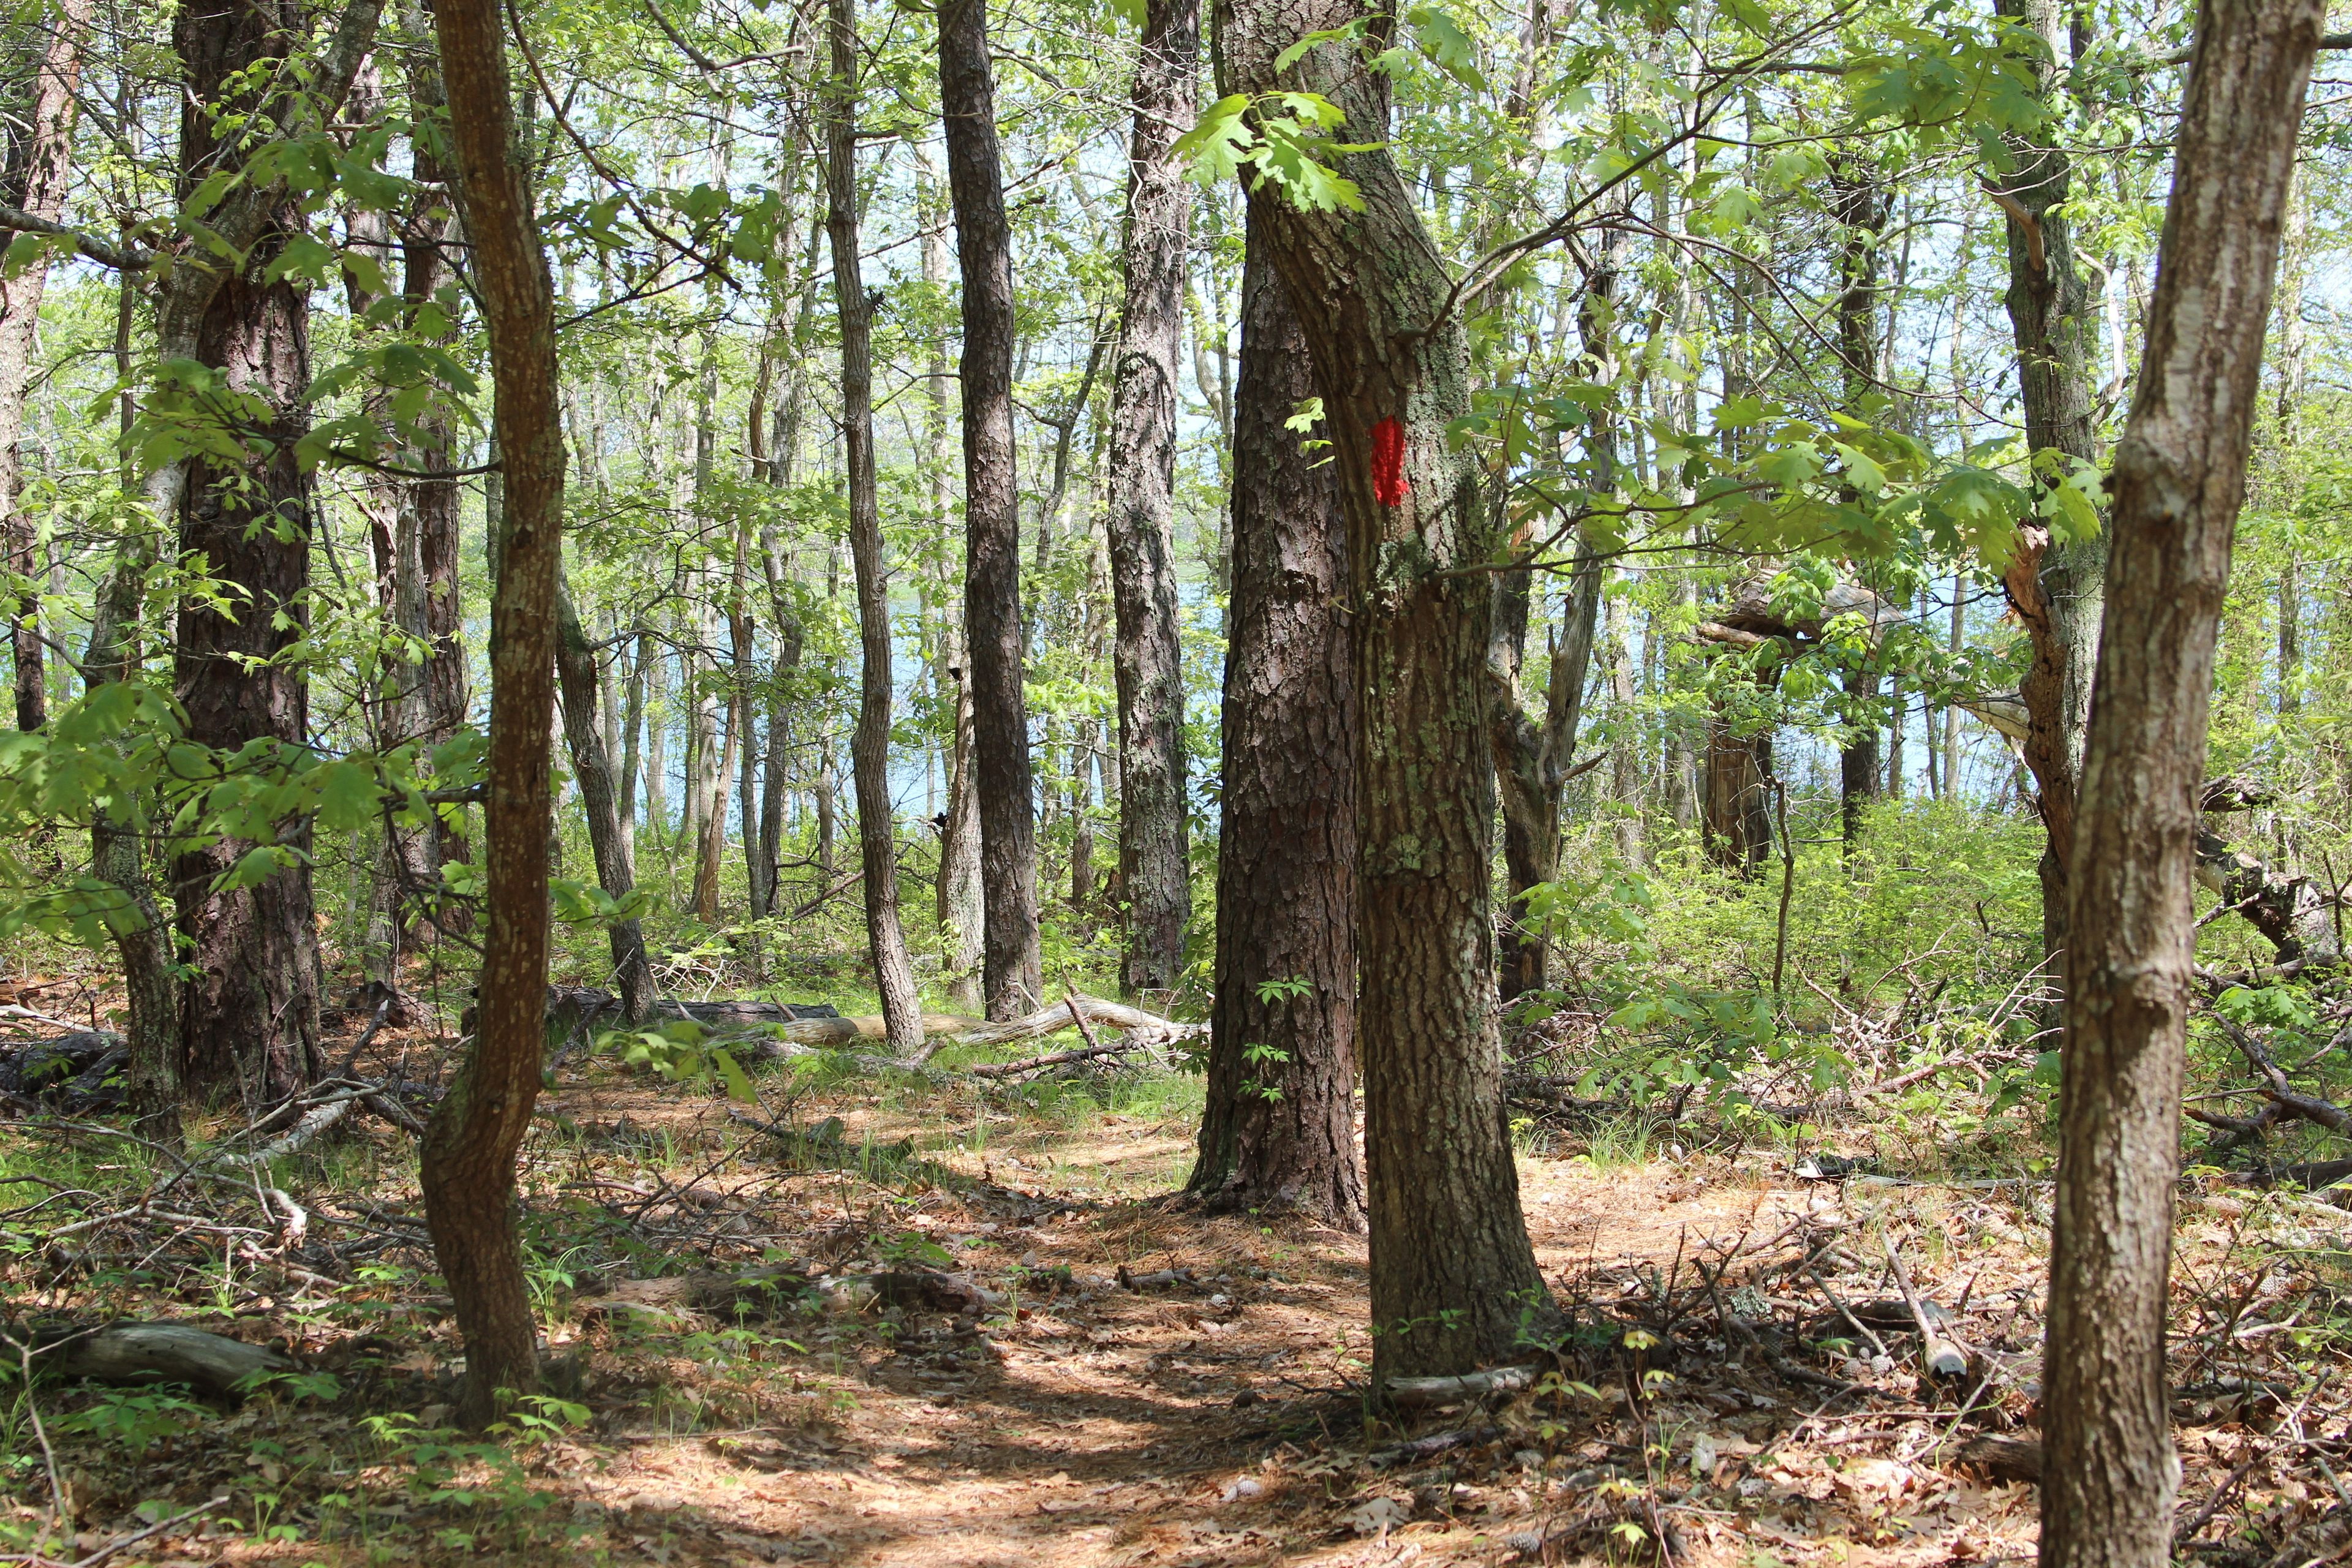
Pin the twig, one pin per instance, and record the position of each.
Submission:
(1008, 1069)
(1941, 1357)
(1070, 1000)
(1845, 1311)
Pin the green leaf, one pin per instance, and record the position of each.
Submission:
(730, 1073)
(347, 795)
(1219, 140)
(1448, 48)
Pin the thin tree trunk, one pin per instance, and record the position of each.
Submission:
(963, 911)
(877, 839)
(415, 534)
(828, 812)
(650, 673)
(1153, 862)
(1859, 206)
(2055, 586)
(118, 830)
(1392, 365)
(1013, 963)
(1531, 760)
(39, 132)
(1279, 1127)
(741, 635)
(469, 1158)
(778, 781)
(2110, 1472)
(592, 770)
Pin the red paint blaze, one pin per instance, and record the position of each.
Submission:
(1388, 462)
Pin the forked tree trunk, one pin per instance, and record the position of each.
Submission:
(1531, 758)
(39, 130)
(468, 1159)
(870, 747)
(1453, 1279)
(250, 1011)
(2109, 1472)
(1013, 963)
(2055, 587)
(1154, 864)
(592, 770)
(1279, 1132)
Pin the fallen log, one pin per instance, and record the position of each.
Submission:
(81, 1071)
(1416, 1392)
(166, 1352)
(787, 1028)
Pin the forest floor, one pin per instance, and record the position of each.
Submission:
(1144, 1383)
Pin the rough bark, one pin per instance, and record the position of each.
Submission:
(1279, 1128)
(1370, 291)
(1153, 863)
(592, 770)
(2054, 586)
(1013, 963)
(869, 746)
(251, 1009)
(469, 1158)
(1735, 806)
(39, 130)
(2180, 477)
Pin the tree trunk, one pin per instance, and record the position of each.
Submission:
(1531, 760)
(1392, 365)
(2054, 586)
(963, 911)
(592, 770)
(1859, 206)
(1858, 766)
(1013, 963)
(1141, 519)
(1735, 808)
(39, 130)
(468, 1159)
(869, 746)
(777, 784)
(1279, 1128)
(119, 832)
(2180, 477)
(251, 1010)
(414, 533)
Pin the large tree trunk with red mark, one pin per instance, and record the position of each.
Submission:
(2109, 1472)
(1279, 1128)
(1371, 296)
